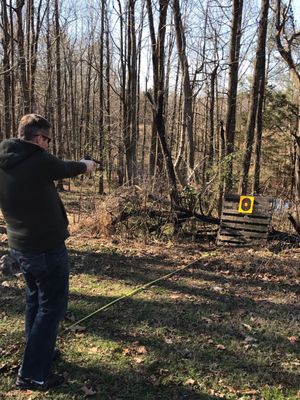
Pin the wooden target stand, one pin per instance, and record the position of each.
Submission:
(245, 220)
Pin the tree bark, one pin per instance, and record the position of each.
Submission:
(188, 117)
(256, 96)
(155, 159)
(237, 12)
(258, 141)
(6, 70)
(22, 58)
(58, 108)
(285, 43)
(131, 92)
(158, 58)
(101, 99)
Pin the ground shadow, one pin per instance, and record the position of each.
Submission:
(129, 385)
(204, 315)
(126, 323)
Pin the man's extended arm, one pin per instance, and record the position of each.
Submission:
(58, 169)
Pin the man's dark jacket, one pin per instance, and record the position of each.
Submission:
(35, 216)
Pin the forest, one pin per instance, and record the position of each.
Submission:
(203, 95)
(183, 104)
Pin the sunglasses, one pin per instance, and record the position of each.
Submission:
(46, 138)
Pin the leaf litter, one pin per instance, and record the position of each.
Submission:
(247, 303)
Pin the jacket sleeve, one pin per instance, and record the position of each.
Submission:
(59, 169)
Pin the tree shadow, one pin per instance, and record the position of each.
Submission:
(129, 385)
(121, 266)
(140, 320)
(230, 297)
(203, 315)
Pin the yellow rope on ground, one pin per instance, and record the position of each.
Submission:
(137, 290)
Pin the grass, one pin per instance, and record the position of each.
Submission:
(228, 327)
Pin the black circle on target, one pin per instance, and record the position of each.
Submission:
(246, 204)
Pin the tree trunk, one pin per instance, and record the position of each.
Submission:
(258, 76)
(285, 43)
(188, 117)
(297, 169)
(13, 80)
(158, 58)
(131, 92)
(237, 12)
(122, 105)
(58, 108)
(108, 104)
(211, 132)
(22, 58)
(33, 35)
(101, 99)
(6, 70)
(155, 159)
(258, 141)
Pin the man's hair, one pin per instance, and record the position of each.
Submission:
(32, 125)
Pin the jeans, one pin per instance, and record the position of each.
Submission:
(47, 280)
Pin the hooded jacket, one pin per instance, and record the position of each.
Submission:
(33, 211)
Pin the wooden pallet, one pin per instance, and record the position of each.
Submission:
(238, 229)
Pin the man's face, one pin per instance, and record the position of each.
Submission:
(42, 141)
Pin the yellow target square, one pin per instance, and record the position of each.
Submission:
(246, 204)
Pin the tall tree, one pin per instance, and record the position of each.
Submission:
(188, 117)
(155, 156)
(108, 100)
(48, 101)
(256, 97)
(158, 60)
(13, 72)
(131, 95)
(35, 20)
(6, 68)
(22, 57)
(58, 98)
(235, 45)
(101, 97)
(287, 38)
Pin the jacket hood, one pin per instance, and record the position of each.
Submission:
(14, 151)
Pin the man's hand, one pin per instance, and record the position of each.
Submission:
(90, 165)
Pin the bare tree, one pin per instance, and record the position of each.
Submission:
(287, 38)
(22, 57)
(58, 103)
(131, 133)
(101, 97)
(256, 97)
(237, 12)
(33, 33)
(6, 68)
(157, 101)
(188, 116)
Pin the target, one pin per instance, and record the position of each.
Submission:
(246, 204)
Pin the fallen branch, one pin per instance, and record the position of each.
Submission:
(283, 237)
(204, 218)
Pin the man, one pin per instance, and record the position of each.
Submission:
(37, 228)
